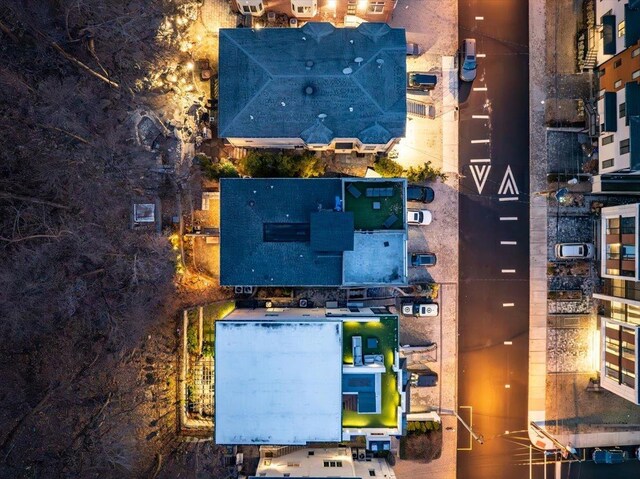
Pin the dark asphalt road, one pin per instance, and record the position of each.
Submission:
(494, 208)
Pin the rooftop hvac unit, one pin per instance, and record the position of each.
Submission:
(247, 289)
(361, 456)
(237, 289)
(293, 22)
(303, 303)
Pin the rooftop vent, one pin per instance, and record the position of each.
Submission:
(309, 90)
(347, 71)
(308, 64)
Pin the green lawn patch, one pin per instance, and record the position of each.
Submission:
(210, 314)
(386, 332)
(365, 216)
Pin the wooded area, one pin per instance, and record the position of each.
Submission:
(88, 305)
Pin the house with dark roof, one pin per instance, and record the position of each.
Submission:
(316, 87)
(313, 232)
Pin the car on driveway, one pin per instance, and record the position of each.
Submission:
(423, 310)
(421, 81)
(423, 194)
(419, 217)
(423, 259)
(574, 250)
(609, 456)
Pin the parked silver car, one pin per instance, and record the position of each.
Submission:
(574, 250)
(468, 63)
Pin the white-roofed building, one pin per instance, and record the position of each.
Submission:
(278, 381)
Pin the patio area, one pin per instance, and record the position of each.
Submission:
(375, 206)
(377, 338)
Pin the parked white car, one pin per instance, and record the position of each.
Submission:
(420, 310)
(574, 250)
(419, 217)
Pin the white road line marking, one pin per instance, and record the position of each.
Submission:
(480, 88)
(508, 305)
(508, 343)
(480, 117)
(479, 18)
(507, 386)
(480, 141)
(509, 242)
(508, 185)
(480, 175)
(508, 270)
(509, 198)
(481, 55)
(508, 218)
(480, 160)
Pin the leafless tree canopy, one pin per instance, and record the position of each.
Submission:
(86, 357)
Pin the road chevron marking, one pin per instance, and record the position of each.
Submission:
(480, 174)
(508, 185)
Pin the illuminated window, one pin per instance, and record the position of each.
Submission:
(376, 7)
(621, 29)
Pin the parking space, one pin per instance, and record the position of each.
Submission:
(440, 237)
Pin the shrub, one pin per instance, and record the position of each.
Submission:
(215, 169)
(266, 164)
(426, 172)
(388, 168)
(192, 339)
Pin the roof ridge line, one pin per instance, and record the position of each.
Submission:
(266, 84)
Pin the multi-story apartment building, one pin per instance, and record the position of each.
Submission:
(619, 96)
(620, 323)
(338, 12)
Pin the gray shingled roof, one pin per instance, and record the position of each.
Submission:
(274, 82)
(332, 231)
(246, 259)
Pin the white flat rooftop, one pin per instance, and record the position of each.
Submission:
(278, 382)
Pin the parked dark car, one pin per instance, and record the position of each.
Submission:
(423, 259)
(423, 194)
(609, 456)
(421, 81)
(424, 380)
